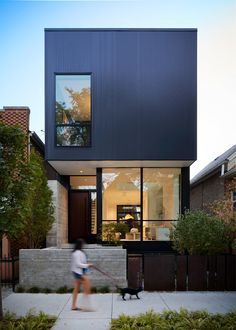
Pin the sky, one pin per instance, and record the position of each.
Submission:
(22, 25)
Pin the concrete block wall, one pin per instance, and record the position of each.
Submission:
(50, 268)
(58, 234)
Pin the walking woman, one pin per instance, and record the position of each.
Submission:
(79, 268)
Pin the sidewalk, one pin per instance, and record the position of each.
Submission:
(111, 305)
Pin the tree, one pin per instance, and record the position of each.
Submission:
(41, 217)
(13, 182)
(224, 210)
(197, 232)
(26, 209)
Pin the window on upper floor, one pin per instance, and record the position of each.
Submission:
(73, 110)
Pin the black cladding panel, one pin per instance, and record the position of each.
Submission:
(144, 91)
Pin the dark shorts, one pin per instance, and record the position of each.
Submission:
(77, 276)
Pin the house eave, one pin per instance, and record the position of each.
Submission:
(89, 167)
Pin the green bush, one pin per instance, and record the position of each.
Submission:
(34, 289)
(46, 290)
(20, 289)
(103, 289)
(183, 320)
(39, 322)
(197, 232)
(94, 289)
(62, 289)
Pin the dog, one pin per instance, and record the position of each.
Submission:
(130, 291)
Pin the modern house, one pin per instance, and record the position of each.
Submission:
(121, 108)
(215, 181)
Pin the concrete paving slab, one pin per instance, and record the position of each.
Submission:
(102, 303)
(109, 306)
(213, 302)
(147, 301)
(21, 303)
(6, 291)
(72, 324)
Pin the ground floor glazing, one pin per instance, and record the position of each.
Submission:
(126, 204)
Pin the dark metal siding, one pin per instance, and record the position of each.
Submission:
(143, 92)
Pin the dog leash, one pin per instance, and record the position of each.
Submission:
(104, 273)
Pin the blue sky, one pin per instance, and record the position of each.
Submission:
(22, 26)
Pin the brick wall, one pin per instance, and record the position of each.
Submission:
(207, 192)
(16, 115)
(50, 268)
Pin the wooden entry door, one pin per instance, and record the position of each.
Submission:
(79, 215)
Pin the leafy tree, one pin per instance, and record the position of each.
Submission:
(14, 178)
(13, 182)
(25, 200)
(197, 232)
(40, 219)
(224, 210)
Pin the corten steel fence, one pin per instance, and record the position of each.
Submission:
(170, 272)
(9, 275)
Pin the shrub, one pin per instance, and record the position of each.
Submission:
(197, 232)
(46, 290)
(20, 289)
(175, 320)
(34, 289)
(62, 289)
(94, 289)
(104, 289)
(39, 322)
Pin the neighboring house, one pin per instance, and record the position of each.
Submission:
(20, 116)
(213, 182)
(120, 130)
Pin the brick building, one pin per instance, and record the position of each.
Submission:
(212, 182)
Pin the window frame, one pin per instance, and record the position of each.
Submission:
(73, 125)
(142, 221)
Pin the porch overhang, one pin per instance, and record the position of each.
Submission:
(89, 167)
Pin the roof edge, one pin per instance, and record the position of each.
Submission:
(121, 29)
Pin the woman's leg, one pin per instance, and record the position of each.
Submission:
(87, 285)
(87, 290)
(75, 293)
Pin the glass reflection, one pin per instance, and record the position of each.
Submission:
(161, 199)
(78, 135)
(73, 110)
(121, 189)
(156, 230)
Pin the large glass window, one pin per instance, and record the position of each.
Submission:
(160, 198)
(73, 110)
(161, 201)
(121, 200)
